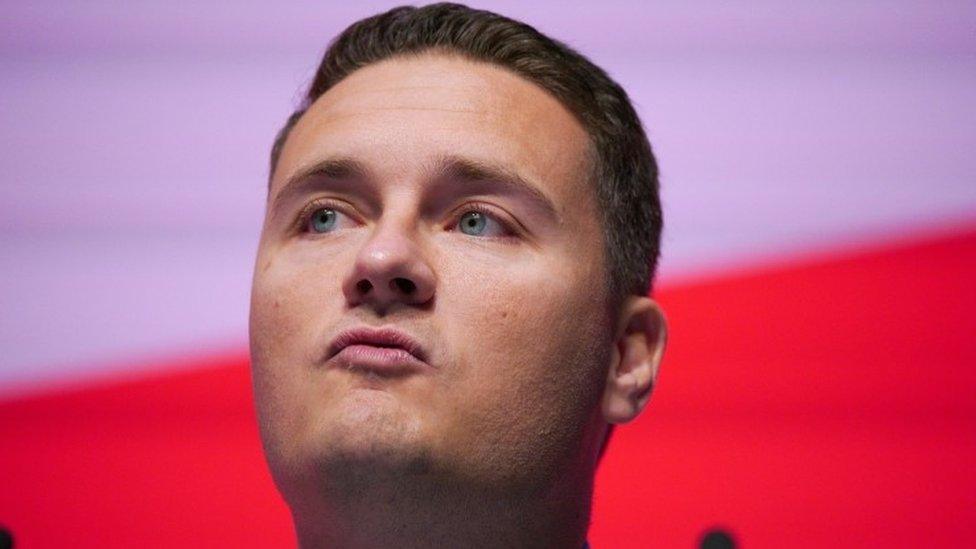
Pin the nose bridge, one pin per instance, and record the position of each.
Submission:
(391, 266)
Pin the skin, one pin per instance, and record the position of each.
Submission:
(496, 443)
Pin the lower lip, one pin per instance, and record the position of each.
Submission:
(383, 361)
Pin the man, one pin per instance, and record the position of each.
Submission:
(450, 306)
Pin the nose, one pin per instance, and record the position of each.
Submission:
(389, 269)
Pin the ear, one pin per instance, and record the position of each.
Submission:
(639, 343)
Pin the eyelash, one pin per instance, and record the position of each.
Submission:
(305, 215)
(487, 211)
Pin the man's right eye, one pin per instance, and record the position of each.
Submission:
(322, 220)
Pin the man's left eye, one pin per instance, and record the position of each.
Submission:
(325, 219)
(475, 223)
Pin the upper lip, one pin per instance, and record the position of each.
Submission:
(377, 337)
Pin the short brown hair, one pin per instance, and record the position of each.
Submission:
(625, 172)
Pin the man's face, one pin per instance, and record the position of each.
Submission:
(446, 201)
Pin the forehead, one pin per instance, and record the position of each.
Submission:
(399, 114)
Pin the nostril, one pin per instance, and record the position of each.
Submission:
(404, 285)
(364, 286)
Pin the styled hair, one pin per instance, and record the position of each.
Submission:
(623, 168)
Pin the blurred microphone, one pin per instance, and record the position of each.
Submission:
(6, 538)
(716, 538)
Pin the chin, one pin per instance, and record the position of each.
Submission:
(361, 441)
(369, 426)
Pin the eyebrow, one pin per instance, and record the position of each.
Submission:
(339, 169)
(467, 170)
(448, 168)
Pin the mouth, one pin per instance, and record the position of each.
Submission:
(385, 352)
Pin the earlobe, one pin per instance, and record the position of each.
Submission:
(640, 341)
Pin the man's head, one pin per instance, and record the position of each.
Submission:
(450, 292)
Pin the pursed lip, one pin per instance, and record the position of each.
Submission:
(384, 351)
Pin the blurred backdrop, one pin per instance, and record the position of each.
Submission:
(818, 266)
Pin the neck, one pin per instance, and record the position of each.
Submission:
(376, 507)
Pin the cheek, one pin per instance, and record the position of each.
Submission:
(531, 347)
(290, 310)
(295, 291)
(531, 307)
(284, 309)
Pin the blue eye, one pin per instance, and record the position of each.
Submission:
(323, 220)
(476, 223)
(473, 223)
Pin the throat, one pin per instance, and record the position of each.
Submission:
(419, 506)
